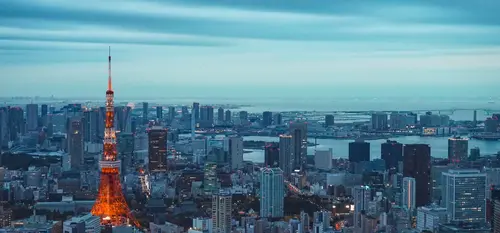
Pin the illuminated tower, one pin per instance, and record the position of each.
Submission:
(110, 205)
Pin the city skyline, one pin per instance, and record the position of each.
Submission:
(56, 48)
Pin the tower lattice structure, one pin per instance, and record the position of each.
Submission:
(110, 205)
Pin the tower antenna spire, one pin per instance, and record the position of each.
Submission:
(109, 69)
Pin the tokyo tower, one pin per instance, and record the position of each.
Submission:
(110, 204)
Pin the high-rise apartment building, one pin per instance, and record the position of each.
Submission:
(417, 164)
(379, 121)
(75, 142)
(220, 115)
(298, 130)
(210, 181)
(157, 153)
(267, 119)
(458, 149)
(286, 158)
(359, 151)
(271, 155)
(272, 193)
(329, 120)
(171, 113)
(392, 153)
(206, 116)
(409, 193)
(464, 195)
(32, 117)
(221, 212)
(227, 117)
(159, 113)
(243, 117)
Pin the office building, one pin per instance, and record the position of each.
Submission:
(227, 117)
(4, 127)
(159, 113)
(362, 196)
(391, 153)
(329, 120)
(429, 218)
(157, 152)
(221, 212)
(235, 149)
(32, 117)
(379, 121)
(323, 159)
(286, 158)
(75, 142)
(359, 151)
(271, 155)
(82, 224)
(458, 149)
(417, 164)
(145, 112)
(16, 123)
(464, 195)
(267, 119)
(409, 193)
(437, 182)
(272, 193)
(298, 130)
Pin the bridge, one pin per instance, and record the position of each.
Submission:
(487, 111)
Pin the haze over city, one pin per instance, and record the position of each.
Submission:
(242, 47)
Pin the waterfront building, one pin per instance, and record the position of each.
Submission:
(458, 149)
(391, 153)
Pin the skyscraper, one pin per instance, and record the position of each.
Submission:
(272, 193)
(267, 119)
(157, 149)
(409, 193)
(125, 148)
(196, 110)
(359, 151)
(210, 183)
(220, 115)
(44, 115)
(464, 194)
(298, 130)
(235, 149)
(206, 116)
(277, 119)
(32, 117)
(362, 196)
(243, 117)
(417, 164)
(123, 119)
(392, 153)
(379, 121)
(145, 112)
(286, 159)
(227, 117)
(16, 123)
(171, 113)
(329, 120)
(159, 113)
(221, 212)
(272, 154)
(4, 126)
(458, 149)
(75, 142)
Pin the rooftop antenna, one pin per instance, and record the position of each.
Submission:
(109, 69)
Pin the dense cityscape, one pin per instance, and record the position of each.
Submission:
(92, 167)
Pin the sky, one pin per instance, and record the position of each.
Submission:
(249, 47)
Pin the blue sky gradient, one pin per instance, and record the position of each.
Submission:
(58, 47)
